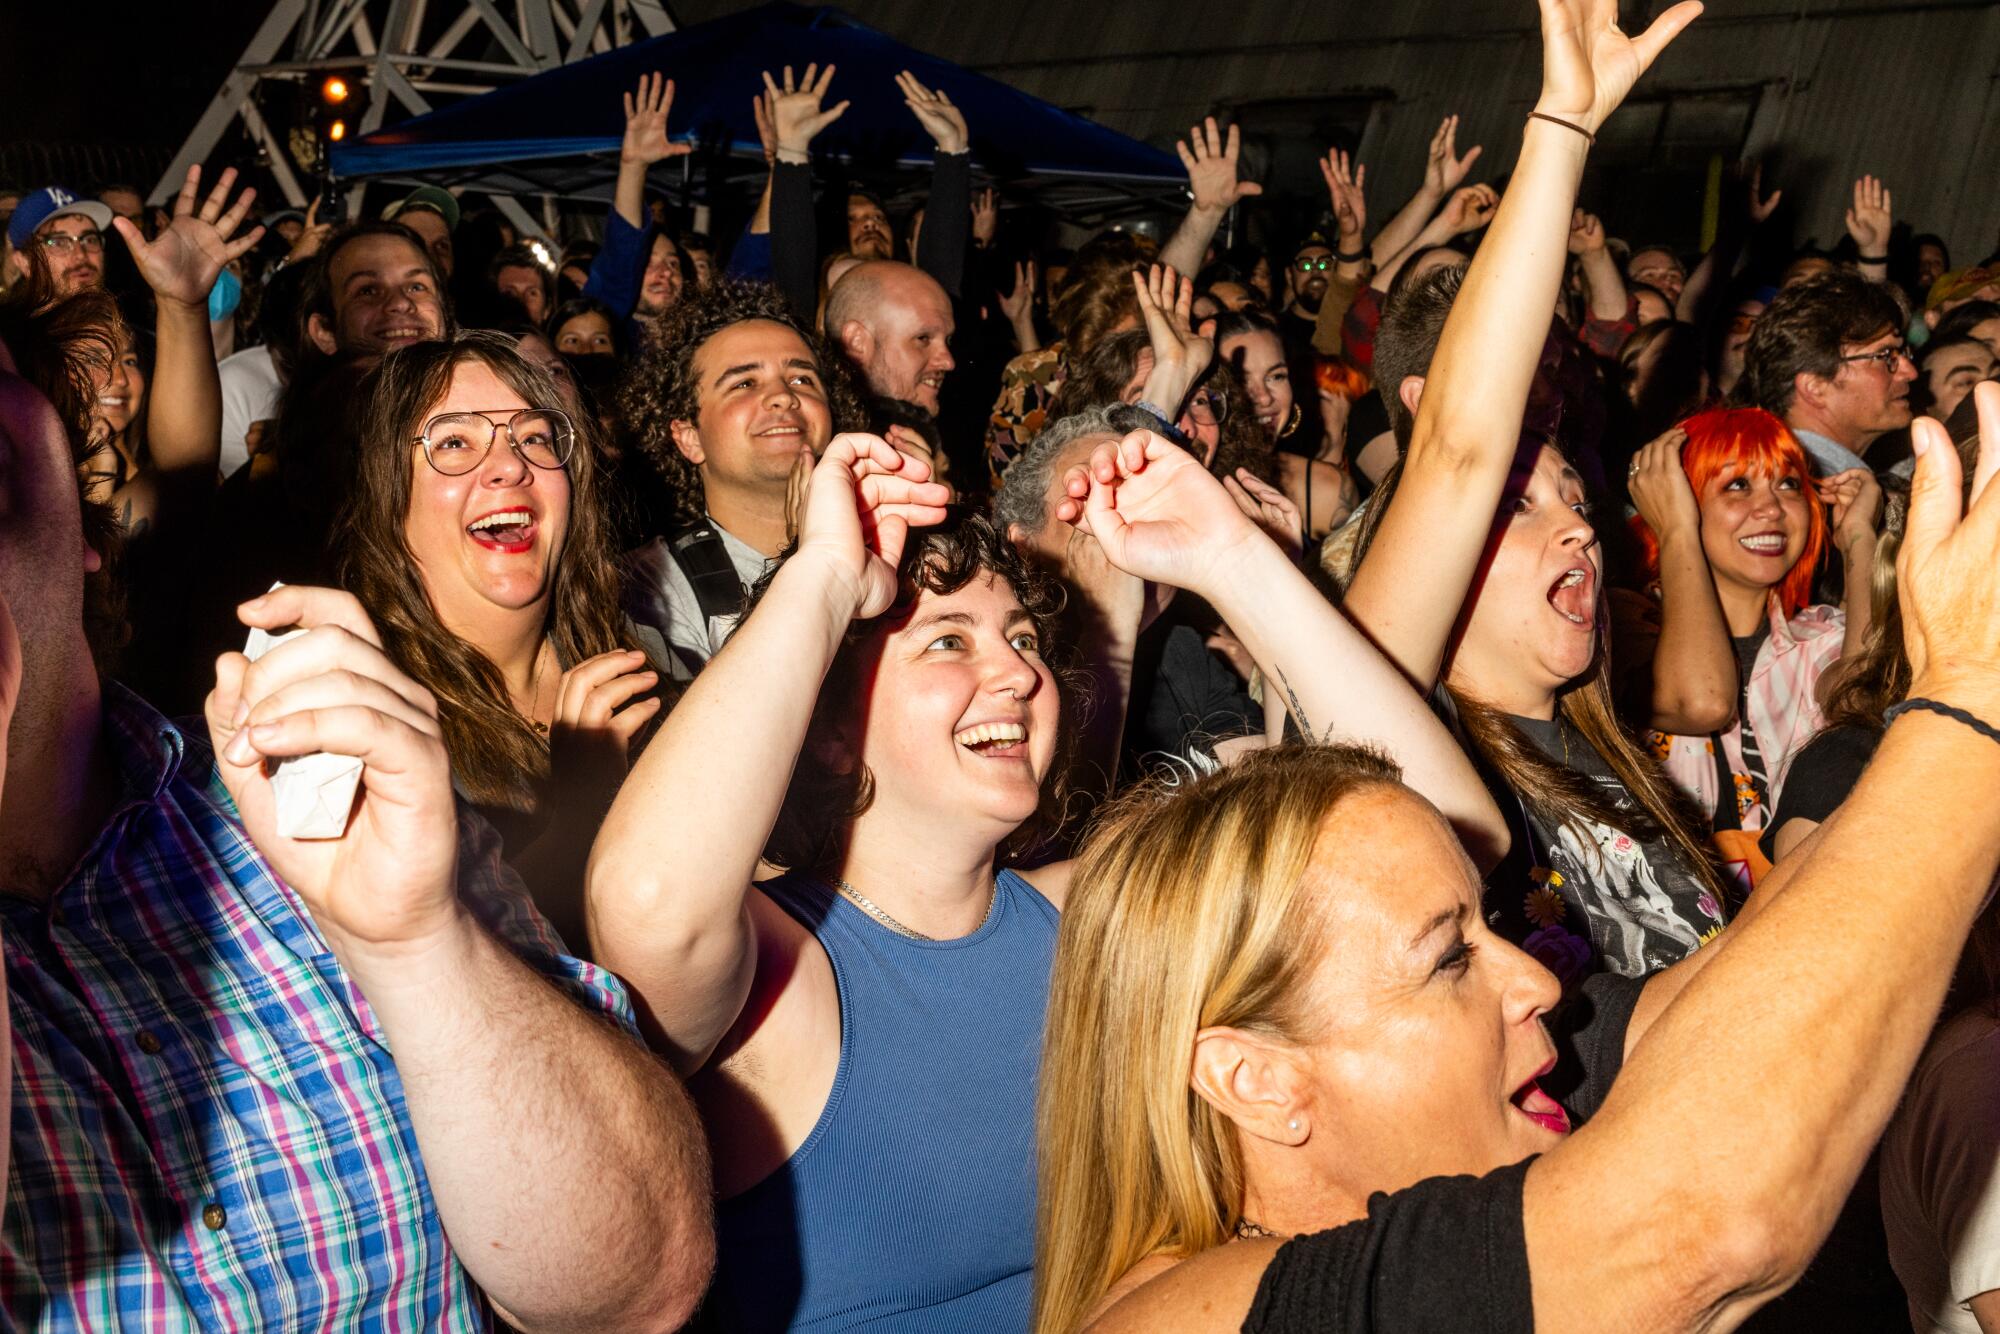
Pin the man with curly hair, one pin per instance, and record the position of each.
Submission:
(724, 402)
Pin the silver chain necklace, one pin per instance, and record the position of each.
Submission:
(868, 905)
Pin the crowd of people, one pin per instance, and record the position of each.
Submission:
(880, 776)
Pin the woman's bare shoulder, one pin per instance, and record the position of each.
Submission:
(1208, 1292)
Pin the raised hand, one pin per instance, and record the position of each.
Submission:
(1659, 486)
(311, 237)
(1855, 499)
(183, 261)
(646, 139)
(1870, 218)
(795, 111)
(1180, 355)
(1948, 570)
(1018, 303)
(985, 216)
(767, 133)
(594, 727)
(1469, 209)
(1758, 208)
(859, 505)
(1270, 509)
(1346, 188)
(388, 882)
(1586, 233)
(1211, 167)
(1589, 65)
(1444, 169)
(1156, 511)
(945, 122)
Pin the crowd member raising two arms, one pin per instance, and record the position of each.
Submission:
(1484, 574)
(874, 1015)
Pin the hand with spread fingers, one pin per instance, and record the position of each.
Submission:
(646, 111)
(1589, 64)
(944, 122)
(1346, 187)
(388, 883)
(182, 263)
(1180, 355)
(795, 108)
(1212, 167)
(1871, 218)
(860, 502)
(596, 716)
(1444, 169)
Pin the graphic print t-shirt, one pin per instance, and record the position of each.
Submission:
(1596, 899)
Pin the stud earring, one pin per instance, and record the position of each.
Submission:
(1292, 1124)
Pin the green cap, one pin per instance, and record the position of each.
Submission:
(431, 197)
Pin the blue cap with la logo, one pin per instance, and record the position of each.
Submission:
(50, 203)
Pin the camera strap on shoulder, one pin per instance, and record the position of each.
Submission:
(705, 561)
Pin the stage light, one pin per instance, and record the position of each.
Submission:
(334, 89)
(337, 131)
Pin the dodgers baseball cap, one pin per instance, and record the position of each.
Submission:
(53, 202)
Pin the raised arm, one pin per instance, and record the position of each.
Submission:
(1159, 515)
(1855, 499)
(1211, 169)
(948, 212)
(1603, 285)
(567, 1163)
(1469, 208)
(645, 143)
(1444, 171)
(667, 891)
(1741, 215)
(1346, 188)
(1469, 424)
(1848, 960)
(796, 118)
(1870, 219)
(1180, 355)
(184, 407)
(1694, 682)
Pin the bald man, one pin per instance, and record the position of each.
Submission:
(893, 321)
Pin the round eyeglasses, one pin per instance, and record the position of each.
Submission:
(455, 443)
(1208, 407)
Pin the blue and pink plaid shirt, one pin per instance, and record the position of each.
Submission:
(208, 1130)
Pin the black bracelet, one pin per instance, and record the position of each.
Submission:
(1985, 729)
(1567, 125)
(1344, 257)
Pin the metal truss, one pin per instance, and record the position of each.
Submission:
(405, 53)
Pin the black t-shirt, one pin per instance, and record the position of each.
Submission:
(1183, 696)
(1593, 898)
(1447, 1254)
(1821, 775)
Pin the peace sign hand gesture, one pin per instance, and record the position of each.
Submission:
(182, 262)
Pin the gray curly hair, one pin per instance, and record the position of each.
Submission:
(1023, 495)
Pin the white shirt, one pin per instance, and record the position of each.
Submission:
(1940, 1165)
(250, 391)
(657, 593)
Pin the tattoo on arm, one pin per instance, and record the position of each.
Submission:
(1298, 710)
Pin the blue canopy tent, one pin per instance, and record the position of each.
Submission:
(558, 132)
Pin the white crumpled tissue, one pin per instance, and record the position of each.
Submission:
(315, 793)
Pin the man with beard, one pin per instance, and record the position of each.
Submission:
(1305, 287)
(894, 324)
(67, 232)
(1828, 356)
(796, 118)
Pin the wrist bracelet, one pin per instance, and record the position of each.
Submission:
(1987, 730)
(1353, 257)
(1567, 125)
(1167, 426)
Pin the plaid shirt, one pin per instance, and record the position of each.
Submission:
(208, 1130)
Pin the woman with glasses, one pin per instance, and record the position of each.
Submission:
(476, 539)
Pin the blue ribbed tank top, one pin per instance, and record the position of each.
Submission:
(911, 1205)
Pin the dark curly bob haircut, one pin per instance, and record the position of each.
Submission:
(660, 388)
(825, 799)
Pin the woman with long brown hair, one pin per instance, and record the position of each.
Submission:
(1481, 579)
(476, 538)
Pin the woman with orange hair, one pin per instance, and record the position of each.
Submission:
(1732, 491)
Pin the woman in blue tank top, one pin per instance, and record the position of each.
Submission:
(862, 1033)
